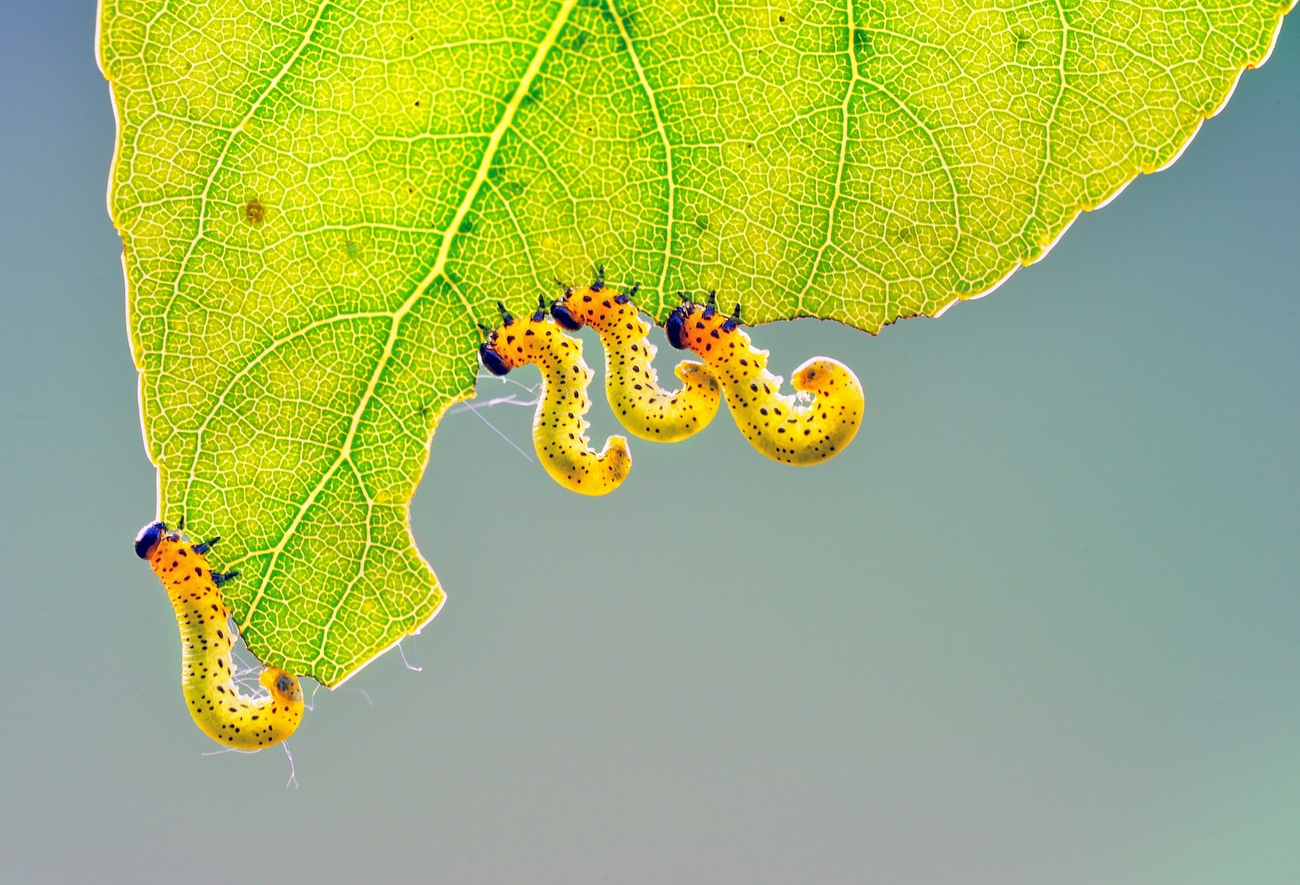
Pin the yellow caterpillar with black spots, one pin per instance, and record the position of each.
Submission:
(207, 673)
(779, 425)
(631, 383)
(559, 430)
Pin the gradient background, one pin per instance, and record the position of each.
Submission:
(1039, 624)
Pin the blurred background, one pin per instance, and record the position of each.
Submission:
(1040, 623)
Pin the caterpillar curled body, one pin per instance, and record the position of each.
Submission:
(559, 430)
(631, 383)
(779, 425)
(207, 674)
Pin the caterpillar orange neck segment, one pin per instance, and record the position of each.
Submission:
(219, 709)
(783, 427)
(559, 430)
(631, 383)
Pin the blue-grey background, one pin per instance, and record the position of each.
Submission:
(1039, 624)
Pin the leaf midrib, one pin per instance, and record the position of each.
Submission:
(439, 264)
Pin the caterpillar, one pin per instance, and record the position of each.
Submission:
(207, 675)
(631, 383)
(778, 425)
(558, 426)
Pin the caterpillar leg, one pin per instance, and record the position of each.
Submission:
(631, 383)
(559, 430)
(215, 702)
(782, 427)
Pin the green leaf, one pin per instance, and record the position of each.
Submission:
(319, 200)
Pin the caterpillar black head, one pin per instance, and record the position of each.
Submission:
(677, 322)
(560, 309)
(149, 537)
(565, 317)
(492, 360)
(487, 351)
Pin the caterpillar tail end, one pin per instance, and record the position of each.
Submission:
(828, 378)
(282, 685)
(698, 375)
(838, 392)
(286, 694)
(615, 464)
(592, 473)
